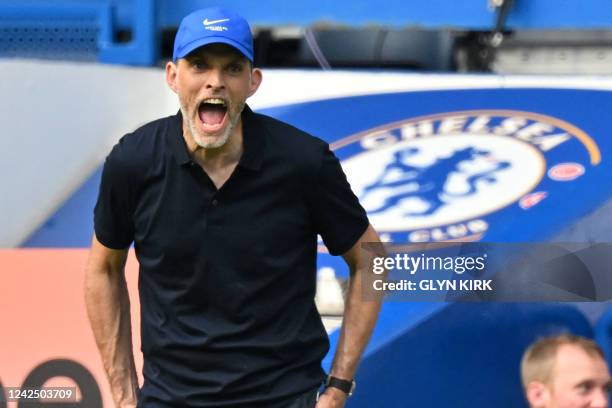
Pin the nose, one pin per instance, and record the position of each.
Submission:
(214, 80)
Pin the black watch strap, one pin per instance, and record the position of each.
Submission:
(346, 386)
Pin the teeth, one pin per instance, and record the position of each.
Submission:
(215, 101)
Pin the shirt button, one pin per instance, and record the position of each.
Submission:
(215, 202)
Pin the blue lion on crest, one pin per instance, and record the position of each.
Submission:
(429, 181)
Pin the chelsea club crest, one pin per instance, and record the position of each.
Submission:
(441, 177)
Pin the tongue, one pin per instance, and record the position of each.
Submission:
(211, 114)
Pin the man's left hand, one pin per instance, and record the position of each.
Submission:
(331, 398)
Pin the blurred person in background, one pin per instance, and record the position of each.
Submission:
(224, 206)
(565, 371)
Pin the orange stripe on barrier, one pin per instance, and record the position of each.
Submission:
(43, 316)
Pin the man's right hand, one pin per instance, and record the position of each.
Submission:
(126, 404)
(108, 308)
(127, 398)
(131, 404)
(331, 398)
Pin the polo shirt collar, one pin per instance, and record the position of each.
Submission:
(253, 140)
(178, 145)
(252, 136)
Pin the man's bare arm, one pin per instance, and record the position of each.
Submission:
(108, 308)
(359, 320)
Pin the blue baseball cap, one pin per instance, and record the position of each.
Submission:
(210, 26)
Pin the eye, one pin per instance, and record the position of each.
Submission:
(235, 68)
(585, 388)
(198, 64)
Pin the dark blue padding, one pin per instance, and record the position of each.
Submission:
(71, 226)
(464, 355)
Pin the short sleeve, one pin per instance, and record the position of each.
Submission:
(113, 213)
(337, 214)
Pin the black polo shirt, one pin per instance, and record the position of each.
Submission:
(227, 277)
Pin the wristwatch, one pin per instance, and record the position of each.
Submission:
(346, 386)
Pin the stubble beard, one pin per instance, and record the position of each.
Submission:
(219, 141)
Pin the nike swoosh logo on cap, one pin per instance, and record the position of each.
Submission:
(206, 22)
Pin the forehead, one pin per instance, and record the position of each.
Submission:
(574, 365)
(217, 51)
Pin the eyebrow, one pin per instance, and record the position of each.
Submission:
(589, 383)
(592, 383)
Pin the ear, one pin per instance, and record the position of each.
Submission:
(256, 78)
(537, 394)
(171, 74)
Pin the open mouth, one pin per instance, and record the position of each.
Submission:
(212, 113)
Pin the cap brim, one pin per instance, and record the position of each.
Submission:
(213, 40)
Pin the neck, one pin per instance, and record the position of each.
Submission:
(228, 154)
